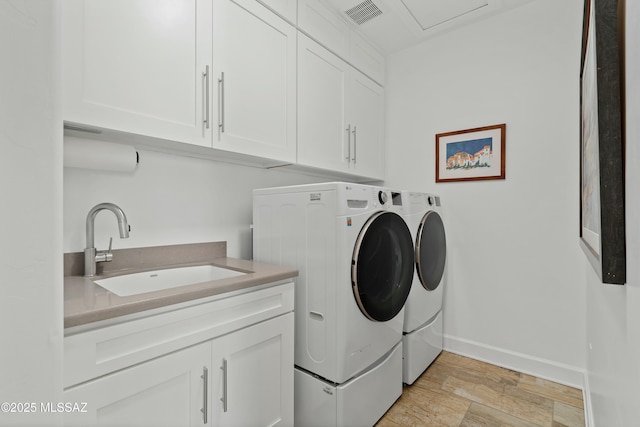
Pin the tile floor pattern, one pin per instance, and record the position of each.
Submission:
(458, 391)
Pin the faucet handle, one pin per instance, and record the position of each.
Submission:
(105, 256)
(108, 255)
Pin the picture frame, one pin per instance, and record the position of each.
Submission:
(602, 207)
(471, 154)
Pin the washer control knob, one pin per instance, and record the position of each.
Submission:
(382, 196)
(430, 199)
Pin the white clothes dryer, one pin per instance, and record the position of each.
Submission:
(422, 331)
(355, 259)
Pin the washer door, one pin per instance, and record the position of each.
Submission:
(431, 250)
(382, 266)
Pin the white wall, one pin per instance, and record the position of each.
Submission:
(515, 294)
(168, 200)
(31, 189)
(613, 312)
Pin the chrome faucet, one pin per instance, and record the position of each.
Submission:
(91, 256)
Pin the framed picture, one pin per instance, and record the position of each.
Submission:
(471, 154)
(602, 218)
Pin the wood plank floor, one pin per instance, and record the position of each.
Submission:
(458, 391)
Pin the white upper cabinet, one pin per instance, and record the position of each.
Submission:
(254, 81)
(365, 114)
(365, 57)
(319, 21)
(224, 74)
(340, 114)
(323, 23)
(137, 66)
(322, 129)
(288, 9)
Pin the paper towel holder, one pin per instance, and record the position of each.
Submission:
(90, 153)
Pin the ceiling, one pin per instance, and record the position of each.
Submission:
(396, 24)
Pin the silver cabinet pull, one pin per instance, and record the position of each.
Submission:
(223, 399)
(205, 85)
(205, 397)
(354, 145)
(221, 103)
(348, 158)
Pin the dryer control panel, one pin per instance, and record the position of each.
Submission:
(382, 197)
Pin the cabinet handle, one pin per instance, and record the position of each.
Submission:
(205, 398)
(348, 158)
(205, 78)
(221, 103)
(354, 145)
(223, 399)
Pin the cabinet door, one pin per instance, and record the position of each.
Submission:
(252, 375)
(288, 9)
(322, 22)
(255, 71)
(366, 117)
(366, 58)
(137, 66)
(322, 131)
(169, 391)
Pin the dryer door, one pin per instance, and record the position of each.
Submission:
(431, 250)
(382, 266)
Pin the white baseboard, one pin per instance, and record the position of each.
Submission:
(542, 368)
(588, 409)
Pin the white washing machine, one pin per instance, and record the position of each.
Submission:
(422, 332)
(355, 259)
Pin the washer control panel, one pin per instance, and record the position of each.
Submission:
(382, 197)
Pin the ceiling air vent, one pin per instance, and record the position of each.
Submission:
(363, 12)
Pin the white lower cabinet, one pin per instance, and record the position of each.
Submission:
(168, 391)
(252, 376)
(240, 377)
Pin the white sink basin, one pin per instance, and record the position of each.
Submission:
(149, 281)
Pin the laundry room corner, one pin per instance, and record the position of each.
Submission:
(514, 294)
